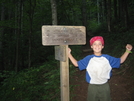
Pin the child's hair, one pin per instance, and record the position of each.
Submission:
(96, 38)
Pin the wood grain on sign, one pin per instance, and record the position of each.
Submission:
(63, 35)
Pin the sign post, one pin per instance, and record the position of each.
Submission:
(61, 37)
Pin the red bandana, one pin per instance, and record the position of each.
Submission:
(96, 38)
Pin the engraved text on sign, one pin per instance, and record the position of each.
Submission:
(63, 35)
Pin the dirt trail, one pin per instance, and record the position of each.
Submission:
(122, 86)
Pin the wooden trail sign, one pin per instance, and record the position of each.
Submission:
(61, 37)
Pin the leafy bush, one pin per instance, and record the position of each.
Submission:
(115, 45)
(35, 84)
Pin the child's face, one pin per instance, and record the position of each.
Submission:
(97, 47)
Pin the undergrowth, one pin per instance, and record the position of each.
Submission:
(35, 84)
(115, 45)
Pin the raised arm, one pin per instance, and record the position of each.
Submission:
(72, 59)
(125, 55)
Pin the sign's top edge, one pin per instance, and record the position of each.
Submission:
(60, 26)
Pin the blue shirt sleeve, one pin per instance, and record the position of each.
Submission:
(82, 64)
(114, 62)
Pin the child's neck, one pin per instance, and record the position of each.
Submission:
(97, 54)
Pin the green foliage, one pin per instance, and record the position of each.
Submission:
(76, 51)
(117, 41)
(35, 84)
(115, 45)
(93, 25)
(42, 83)
(96, 27)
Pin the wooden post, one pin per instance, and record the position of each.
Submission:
(64, 77)
(61, 37)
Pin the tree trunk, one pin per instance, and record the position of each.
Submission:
(54, 12)
(1, 37)
(109, 15)
(84, 13)
(32, 5)
(17, 39)
(98, 13)
(18, 33)
(101, 11)
(105, 10)
(125, 13)
(119, 9)
(115, 9)
(22, 36)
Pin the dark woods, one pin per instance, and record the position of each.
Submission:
(21, 21)
(25, 62)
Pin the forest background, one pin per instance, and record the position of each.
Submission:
(28, 70)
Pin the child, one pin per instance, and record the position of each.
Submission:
(98, 69)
